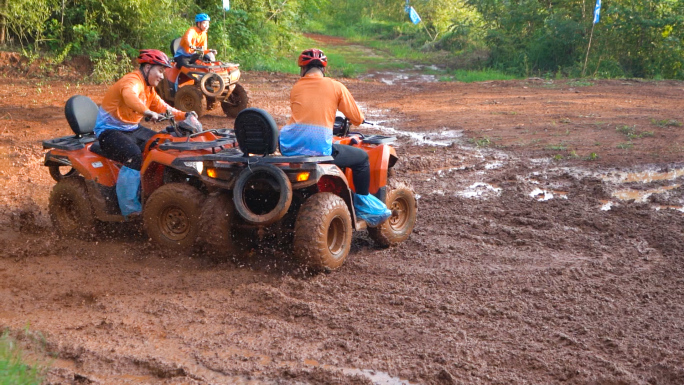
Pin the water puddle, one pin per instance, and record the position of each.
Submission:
(480, 190)
(642, 176)
(382, 123)
(642, 196)
(401, 77)
(377, 377)
(545, 195)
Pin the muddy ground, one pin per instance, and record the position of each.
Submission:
(548, 249)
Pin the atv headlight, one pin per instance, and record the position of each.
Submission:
(199, 166)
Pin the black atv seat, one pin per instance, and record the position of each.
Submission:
(256, 132)
(81, 113)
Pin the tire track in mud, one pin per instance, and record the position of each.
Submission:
(494, 286)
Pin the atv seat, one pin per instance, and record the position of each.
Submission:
(256, 132)
(175, 44)
(81, 113)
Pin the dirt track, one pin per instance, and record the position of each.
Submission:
(522, 268)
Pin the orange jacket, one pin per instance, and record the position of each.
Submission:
(315, 99)
(193, 37)
(129, 98)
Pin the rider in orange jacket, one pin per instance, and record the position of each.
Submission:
(118, 128)
(314, 101)
(194, 42)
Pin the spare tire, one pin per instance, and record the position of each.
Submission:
(270, 194)
(212, 85)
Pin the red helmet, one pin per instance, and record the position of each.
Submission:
(312, 56)
(154, 57)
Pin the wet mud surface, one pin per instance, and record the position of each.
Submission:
(526, 264)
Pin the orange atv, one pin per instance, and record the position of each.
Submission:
(201, 86)
(171, 191)
(302, 201)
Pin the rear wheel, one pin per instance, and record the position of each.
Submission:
(171, 216)
(323, 232)
(237, 101)
(216, 224)
(190, 98)
(60, 172)
(401, 201)
(70, 210)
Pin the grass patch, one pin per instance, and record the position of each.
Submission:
(482, 142)
(631, 132)
(625, 146)
(466, 76)
(580, 83)
(592, 156)
(557, 147)
(666, 123)
(13, 368)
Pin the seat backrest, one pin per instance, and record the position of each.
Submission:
(81, 113)
(256, 132)
(175, 43)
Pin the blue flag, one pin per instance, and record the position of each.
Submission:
(413, 15)
(597, 11)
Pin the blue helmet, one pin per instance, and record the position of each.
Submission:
(201, 17)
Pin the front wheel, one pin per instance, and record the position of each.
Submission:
(237, 101)
(401, 200)
(190, 98)
(70, 210)
(171, 216)
(323, 232)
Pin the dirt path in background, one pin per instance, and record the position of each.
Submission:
(525, 265)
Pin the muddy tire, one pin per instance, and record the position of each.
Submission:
(57, 175)
(216, 224)
(70, 210)
(190, 98)
(401, 200)
(171, 216)
(323, 232)
(237, 101)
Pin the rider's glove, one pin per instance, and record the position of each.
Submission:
(151, 115)
(191, 113)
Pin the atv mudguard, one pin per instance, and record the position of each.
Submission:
(89, 164)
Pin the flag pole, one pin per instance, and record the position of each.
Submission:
(591, 35)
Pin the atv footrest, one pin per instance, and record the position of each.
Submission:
(69, 143)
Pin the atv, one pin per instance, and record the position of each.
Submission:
(201, 86)
(302, 201)
(171, 193)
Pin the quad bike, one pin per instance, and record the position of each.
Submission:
(85, 193)
(201, 86)
(302, 201)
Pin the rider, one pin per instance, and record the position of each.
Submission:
(194, 43)
(314, 101)
(118, 128)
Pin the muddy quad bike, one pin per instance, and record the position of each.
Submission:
(201, 86)
(171, 194)
(302, 201)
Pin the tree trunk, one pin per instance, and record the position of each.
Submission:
(3, 22)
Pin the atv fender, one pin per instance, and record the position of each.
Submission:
(89, 164)
(331, 180)
(381, 159)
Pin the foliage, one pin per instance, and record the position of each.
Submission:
(257, 32)
(13, 369)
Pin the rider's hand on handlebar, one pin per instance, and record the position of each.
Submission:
(191, 113)
(153, 116)
(213, 51)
